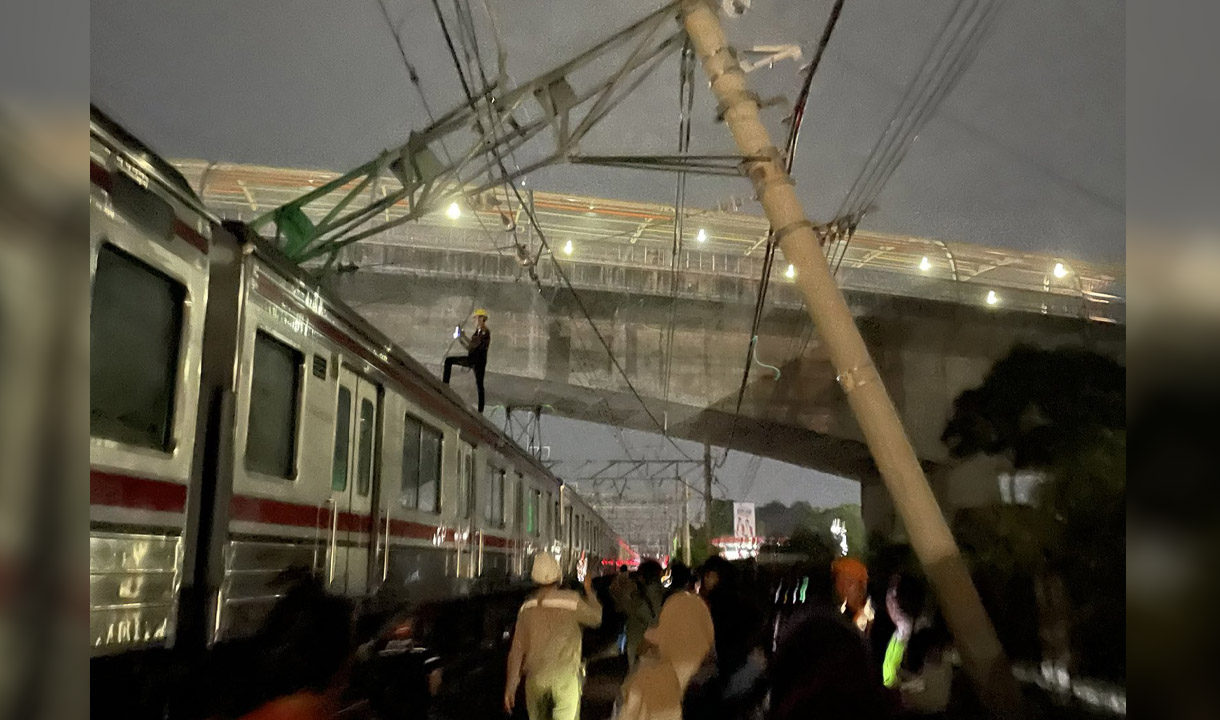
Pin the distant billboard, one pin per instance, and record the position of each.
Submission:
(743, 520)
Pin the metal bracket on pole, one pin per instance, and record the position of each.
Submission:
(857, 377)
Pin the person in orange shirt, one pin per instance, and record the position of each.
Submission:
(851, 590)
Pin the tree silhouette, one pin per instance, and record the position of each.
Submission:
(1062, 413)
(1040, 406)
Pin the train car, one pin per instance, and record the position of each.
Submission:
(245, 423)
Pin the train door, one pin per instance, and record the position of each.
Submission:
(352, 474)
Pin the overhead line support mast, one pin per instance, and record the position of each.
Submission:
(899, 467)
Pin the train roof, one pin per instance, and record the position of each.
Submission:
(120, 140)
(117, 137)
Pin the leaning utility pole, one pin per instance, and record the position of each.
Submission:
(896, 460)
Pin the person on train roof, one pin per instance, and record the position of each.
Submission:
(475, 358)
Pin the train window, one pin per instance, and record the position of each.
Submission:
(410, 461)
(466, 490)
(343, 437)
(552, 510)
(271, 438)
(497, 498)
(135, 330)
(519, 504)
(430, 441)
(421, 465)
(531, 513)
(488, 511)
(364, 468)
(494, 511)
(319, 367)
(570, 529)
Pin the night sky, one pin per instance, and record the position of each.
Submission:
(1027, 152)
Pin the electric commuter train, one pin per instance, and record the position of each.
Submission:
(244, 423)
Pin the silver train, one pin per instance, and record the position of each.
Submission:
(244, 423)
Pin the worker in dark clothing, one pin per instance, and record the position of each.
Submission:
(476, 352)
(737, 620)
(736, 686)
(644, 607)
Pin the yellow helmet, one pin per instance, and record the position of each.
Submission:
(480, 313)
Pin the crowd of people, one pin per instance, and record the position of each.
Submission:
(728, 642)
(723, 642)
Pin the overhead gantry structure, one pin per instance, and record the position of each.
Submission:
(493, 124)
(499, 122)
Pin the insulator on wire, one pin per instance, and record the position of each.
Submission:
(523, 256)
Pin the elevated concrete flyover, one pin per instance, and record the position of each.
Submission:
(935, 315)
(544, 352)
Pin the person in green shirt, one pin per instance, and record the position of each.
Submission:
(896, 649)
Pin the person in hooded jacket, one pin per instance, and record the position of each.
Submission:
(643, 607)
(672, 652)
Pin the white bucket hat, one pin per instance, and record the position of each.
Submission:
(546, 570)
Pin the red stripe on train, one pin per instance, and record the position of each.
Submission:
(138, 493)
(99, 176)
(135, 492)
(493, 541)
(278, 512)
(191, 235)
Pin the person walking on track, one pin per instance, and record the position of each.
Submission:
(546, 649)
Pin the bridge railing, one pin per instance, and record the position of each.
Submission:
(625, 246)
(710, 275)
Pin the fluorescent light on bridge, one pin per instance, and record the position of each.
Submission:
(1060, 271)
(454, 212)
(925, 264)
(702, 236)
(567, 248)
(992, 298)
(790, 273)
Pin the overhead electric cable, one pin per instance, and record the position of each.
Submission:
(947, 59)
(794, 132)
(686, 98)
(559, 270)
(415, 81)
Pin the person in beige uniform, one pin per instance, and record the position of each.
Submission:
(546, 646)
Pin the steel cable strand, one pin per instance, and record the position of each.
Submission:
(794, 130)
